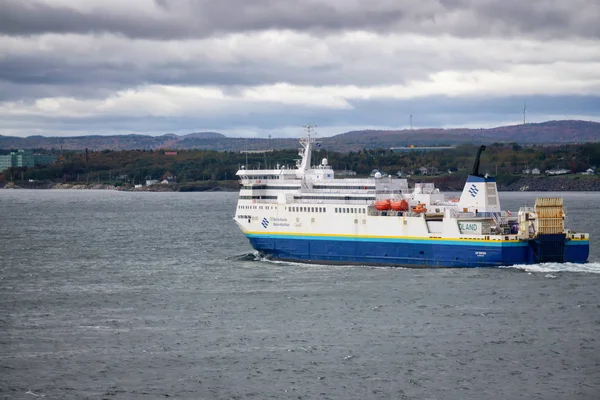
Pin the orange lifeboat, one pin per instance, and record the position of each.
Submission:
(401, 205)
(383, 205)
(419, 208)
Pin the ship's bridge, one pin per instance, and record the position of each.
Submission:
(320, 172)
(249, 176)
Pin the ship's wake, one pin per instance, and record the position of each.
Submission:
(256, 256)
(251, 256)
(591, 268)
(268, 260)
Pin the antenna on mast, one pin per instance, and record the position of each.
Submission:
(309, 128)
(305, 152)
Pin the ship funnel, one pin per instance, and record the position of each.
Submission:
(476, 163)
(480, 193)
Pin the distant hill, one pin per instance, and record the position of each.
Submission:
(555, 132)
(205, 135)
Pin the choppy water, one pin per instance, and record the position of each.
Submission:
(111, 295)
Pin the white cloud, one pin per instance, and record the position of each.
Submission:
(170, 100)
(276, 49)
(270, 58)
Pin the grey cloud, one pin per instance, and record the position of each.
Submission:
(202, 18)
(199, 19)
(27, 78)
(34, 69)
(28, 93)
(27, 18)
(35, 75)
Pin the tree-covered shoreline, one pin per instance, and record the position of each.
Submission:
(194, 169)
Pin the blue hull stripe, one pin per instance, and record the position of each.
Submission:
(405, 252)
(459, 242)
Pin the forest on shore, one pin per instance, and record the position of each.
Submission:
(190, 169)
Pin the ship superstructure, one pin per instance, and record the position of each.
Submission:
(305, 214)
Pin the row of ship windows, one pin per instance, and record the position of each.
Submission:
(258, 197)
(350, 210)
(260, 176)
(332, 198)
(248, 187)
(339, 210)
(309, 198)
(308, 209)
(343, 187)
(316, 187)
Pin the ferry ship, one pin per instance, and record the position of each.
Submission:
(305, 214)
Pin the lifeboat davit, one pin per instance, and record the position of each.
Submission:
(400, 205)
(383, 205)
(419, 208)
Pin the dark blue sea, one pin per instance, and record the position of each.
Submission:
(123, 295)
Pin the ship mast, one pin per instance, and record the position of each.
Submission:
(305, 151)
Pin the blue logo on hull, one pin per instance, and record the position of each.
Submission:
(265, 223)
(473, 190)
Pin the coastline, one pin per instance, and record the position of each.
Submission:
(570, 183)
(205, 186)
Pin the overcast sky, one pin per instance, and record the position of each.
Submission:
(260, 67)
